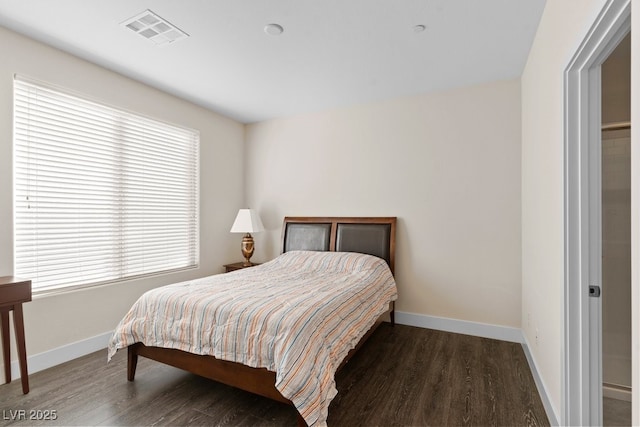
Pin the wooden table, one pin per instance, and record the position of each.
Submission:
(237, 266)
(13, 292)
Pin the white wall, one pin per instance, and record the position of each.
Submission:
(616, 257)
(616, 84)
(446, 164)
(563, 26)
(54, 321)
(635, 213)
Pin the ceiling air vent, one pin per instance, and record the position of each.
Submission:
(152, 27)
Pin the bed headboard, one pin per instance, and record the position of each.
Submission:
(368, 235)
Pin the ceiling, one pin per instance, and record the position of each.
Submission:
(332, 53)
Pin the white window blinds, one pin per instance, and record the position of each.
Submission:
(100, 194)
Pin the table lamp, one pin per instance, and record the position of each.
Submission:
(247, 221)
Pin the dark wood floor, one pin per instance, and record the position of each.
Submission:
(402, 376)
(616, 412)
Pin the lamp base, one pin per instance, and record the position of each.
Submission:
(247, 249)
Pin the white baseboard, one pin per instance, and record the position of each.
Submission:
(57, 356)
(542, 388)
(616, 392)
(484, 330)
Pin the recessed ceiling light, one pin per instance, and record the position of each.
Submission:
(419, 28)
(152, 27)
(273, 29)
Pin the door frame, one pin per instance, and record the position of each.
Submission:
(582, 349)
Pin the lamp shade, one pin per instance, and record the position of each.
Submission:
(247, 221)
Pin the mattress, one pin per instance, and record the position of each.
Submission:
(297, 315)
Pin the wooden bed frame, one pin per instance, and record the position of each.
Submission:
(371, 235)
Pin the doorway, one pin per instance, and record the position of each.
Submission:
(616, 235)
(582, 366)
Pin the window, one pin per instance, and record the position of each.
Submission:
(101, 194)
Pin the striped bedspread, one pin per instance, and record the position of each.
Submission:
(297, 315)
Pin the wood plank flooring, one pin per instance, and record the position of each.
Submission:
(616, 412)
(402, 376)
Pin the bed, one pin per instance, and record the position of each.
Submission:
(281, 329)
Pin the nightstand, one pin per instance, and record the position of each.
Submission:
(238, 266)
(13, 292)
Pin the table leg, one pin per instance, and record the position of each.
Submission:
(18, 323)
(6, 349)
